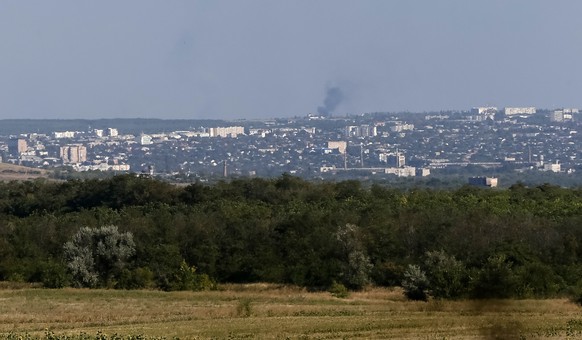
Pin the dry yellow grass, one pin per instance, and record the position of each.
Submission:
(278, 312)
(11, 172)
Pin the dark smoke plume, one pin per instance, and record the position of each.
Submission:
(333, 98)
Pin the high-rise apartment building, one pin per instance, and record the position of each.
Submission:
(17, 146)
(75, 153)
(396, 159)
(112, 132)
(361, 131)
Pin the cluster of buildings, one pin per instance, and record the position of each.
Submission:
(389, 144)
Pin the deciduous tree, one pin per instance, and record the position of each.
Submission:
(95, 255)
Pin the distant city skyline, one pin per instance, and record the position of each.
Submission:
(198, 59)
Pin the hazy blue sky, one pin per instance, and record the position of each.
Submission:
(255, 59)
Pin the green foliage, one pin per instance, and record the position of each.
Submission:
(496, 279)
(537, 280)
(54, 275)
(415, 283)
(338, 290)
(138, 278)
(186, 278)
(95, 256)
(519, 242)
(388, 273)
(16, 277)
(575, 293)
(356, 266)
(447, 275)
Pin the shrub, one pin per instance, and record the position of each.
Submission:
(575, 293)
(536, 279)
(16, 277)
(54, 275)
(356, 266)
(94, 256)
(136, 279)
(388, 273)
(204, 282)
(186, 278)
(447, 275)
(496, 279)
(338, 290)
(415, 283)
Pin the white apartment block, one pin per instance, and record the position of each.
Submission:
(361, 131)
(64, 134)
(563, 115)
(553, 167)
(230, 131)
(484, 110)
(509, 111)
(396, 159)
(402, 127)
(406, 171)
(145, 139)
(112, 132)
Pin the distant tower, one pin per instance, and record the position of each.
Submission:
(73, 153)
(362, 155)
(398, 165)
(17, 146)
(400, 159)
(346, 156)
(224, 169)
(345, 160)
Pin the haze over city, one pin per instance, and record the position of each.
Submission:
(261, 59)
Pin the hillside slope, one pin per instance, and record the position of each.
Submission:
(10, 172)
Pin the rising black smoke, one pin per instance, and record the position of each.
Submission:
(333, 97)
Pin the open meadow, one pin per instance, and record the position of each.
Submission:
(279, 312)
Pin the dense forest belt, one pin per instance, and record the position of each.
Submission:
(133, 232)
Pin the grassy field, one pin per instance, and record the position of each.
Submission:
(276, 312)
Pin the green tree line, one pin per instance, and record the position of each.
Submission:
(133, 232)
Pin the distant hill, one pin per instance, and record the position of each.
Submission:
(11, 172)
